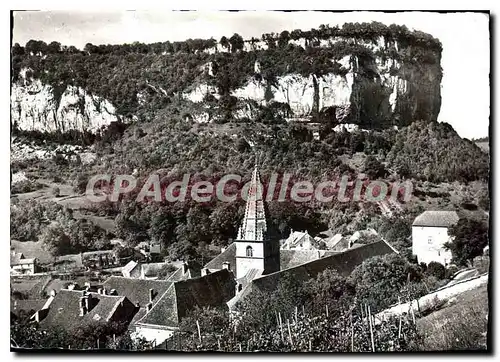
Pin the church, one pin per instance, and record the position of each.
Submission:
(258, 262)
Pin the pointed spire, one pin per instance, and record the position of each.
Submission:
(254, 226)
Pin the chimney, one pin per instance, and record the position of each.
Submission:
(53, 293)
(83, 307)
(99, 291)
(113, 292)
(204, 272)
(88, 302)
(184, 267)
(222, 249)
(226, 265)
(104, 291)
(149, 306)
(151, 295)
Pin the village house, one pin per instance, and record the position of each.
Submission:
(161, 320)
(70, 309)
(299, 240)
(21, 265)
(430, 231)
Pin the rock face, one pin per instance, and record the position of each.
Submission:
(371, 75)
(388, 88)
(39, 107)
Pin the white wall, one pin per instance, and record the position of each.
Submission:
(244, 263)
(152, 334)
(428, 244)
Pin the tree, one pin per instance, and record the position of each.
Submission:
(469, 238)
(56, 241)
(330, 289)
(28, 334)
(436, 269)
(224, 42)
(378, 280)
(56, 191)
(373, 168)
(236, 42)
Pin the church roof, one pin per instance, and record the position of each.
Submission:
(344, 263)
(436, 218)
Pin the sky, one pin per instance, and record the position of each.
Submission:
(465, 88)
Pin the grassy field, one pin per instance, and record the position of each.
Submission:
(461, 325)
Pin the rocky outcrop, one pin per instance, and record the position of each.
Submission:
(367, 74)
(387, 87)
(40, 107)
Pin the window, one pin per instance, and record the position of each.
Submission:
(249, 251)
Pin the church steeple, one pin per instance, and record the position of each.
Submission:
(254, 226)
(254, 249)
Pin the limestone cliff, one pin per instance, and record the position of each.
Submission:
(39, 107)
(386, 88)
(370, 75)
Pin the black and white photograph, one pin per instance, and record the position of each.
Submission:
(250, 181)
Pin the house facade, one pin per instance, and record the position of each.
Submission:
(430, 231)
(21, 265)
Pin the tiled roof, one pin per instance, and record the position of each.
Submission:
(338, 243)
(344, 263)
(25, 261)
(228, 255)
(136, 290)
(151, 269)
(436, 218)
(214, 289)
(296, 237)
(64, 311)
(27, 305)
(292, 258)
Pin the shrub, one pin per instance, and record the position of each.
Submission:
(436, 269)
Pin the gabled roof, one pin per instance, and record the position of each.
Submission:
(296, 237)
(24, 261)
(344, 263)
(213, 289)
(436, 218)
(64, 310)
(136, 290)
(27, 305)
(228, 255)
